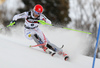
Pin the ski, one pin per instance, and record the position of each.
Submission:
(66, 57)
(52, 53)
(62, 53)
(55, 53)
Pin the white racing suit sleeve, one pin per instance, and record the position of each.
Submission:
(43, 17)
(48, 21)
(19, 16)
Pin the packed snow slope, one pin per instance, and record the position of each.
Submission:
(15, 51)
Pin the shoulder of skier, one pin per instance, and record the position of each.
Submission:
(21, 15)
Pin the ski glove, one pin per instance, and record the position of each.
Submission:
(12, 23)
(44, 23)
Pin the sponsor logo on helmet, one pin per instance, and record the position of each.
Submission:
(39, 10)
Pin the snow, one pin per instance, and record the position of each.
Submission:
(15, 53)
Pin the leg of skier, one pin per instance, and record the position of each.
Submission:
(36, 35)
(39, 38)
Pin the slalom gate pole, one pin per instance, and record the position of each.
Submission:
(96, 47)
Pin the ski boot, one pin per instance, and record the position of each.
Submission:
(47, 50)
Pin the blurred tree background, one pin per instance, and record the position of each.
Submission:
(56, 10)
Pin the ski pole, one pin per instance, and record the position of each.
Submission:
(11, 24)
(44, 23)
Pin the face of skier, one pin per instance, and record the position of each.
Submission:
(36, 15)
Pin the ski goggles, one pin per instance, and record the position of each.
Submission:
(37, 13)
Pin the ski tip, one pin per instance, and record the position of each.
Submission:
(62, 46)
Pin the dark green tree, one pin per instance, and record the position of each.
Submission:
(55, 10)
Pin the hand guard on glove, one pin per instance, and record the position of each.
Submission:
(12, 23)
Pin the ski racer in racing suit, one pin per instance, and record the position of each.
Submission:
(32, 31)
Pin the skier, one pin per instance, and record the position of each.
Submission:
(32, 32)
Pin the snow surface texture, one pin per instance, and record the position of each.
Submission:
(15, 53)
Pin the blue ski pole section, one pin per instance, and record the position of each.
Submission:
(96, 47)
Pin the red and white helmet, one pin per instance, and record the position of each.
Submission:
(38, 9)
